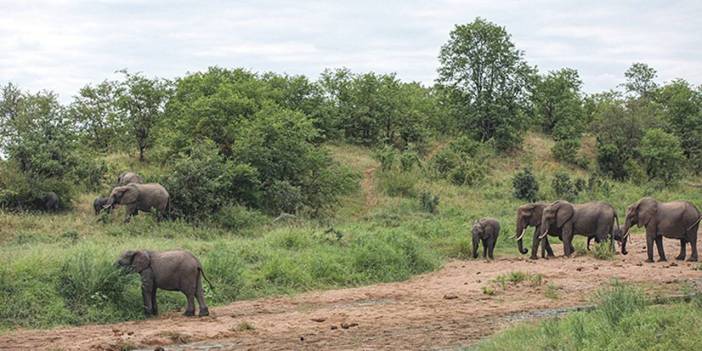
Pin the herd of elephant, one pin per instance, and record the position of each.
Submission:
(599, 221)
(136, 196)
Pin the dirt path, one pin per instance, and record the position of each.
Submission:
(440, 310)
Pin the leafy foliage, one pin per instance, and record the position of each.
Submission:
(525, 185)
(662, 156)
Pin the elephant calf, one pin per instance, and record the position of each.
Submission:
(50, 202)
(485, 230)
(100, 204)
(168, 270)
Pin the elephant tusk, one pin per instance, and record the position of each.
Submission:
(521, 235)
(543, 235)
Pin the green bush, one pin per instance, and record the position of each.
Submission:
(429, 202)
(566, 150)
(564, 187)
(408, 160)
(662, 156)
(398, 183)
(387, 156)
(525, 186)
(238, 218)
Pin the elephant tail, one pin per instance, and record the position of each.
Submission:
(694, 224)
(204, 276)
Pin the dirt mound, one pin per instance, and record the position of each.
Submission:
(455, 306)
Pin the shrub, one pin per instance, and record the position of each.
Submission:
(429, 202)
(281, 196)
(564, 187)
(525, 186)
(566, 150)
(398, 184)
(662, 156)
(618, 301)
(237, 217)
(387, 156)
(408, 160)
(603, 251)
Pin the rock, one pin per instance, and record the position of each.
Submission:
(159, 348)
(673, 264)
(319, 319)
(450, 296)
(302, 338)
(595, 268)
(477, 272)
(130, 333)
(333, 327)
(348, 325)
(579, 269)
(639, 264)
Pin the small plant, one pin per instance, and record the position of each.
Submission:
(488, 290)
(513, 277)
(387, 156)
(176, 337)
(243, 326)
(398, 184)
(408, 160)
(564, 187)
(619, 300)
(603, 251)
(551, 291)
(525, 185)
(429, 201)
(536, 279)
(698, 267)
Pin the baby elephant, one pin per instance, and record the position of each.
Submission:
(169, 270)
(100, 204)
(485, 230)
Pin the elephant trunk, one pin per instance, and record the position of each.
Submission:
(624, 240)
(520, 238)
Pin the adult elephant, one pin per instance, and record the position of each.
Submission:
(591, 219)
(675, 219)
(128, 178)
(140, 197)
(176, 270)
(529, 215)
(50, 202)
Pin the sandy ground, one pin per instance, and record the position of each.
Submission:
(441, 310)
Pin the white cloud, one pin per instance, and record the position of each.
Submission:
(63, 45)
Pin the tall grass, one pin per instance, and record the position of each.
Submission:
(622, 321)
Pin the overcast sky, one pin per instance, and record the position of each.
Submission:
(63, 45)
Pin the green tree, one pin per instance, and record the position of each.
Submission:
(558, 103)
(141, 101)
(662, 156)
(525, 185)
(682, 107)
(640, 80)
(96, 115)
(487, 81)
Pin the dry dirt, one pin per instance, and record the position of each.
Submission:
(445, 309)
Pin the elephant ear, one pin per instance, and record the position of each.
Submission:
(646, 211)
(141, 261)
(130, 194)
(564, 213)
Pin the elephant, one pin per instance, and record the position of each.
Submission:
(675, 219)
(592, 219)
(50, 202)
(530, 215)
(99, 205)
(485, 230)
(140, 197)
(176, 270)
(128, 178)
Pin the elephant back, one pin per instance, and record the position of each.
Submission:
(152, 195)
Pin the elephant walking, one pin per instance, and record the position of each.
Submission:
(140, 197)
(675, 219)
(485, 230)
(168, 270)
(530, 215)
(592, 219)
(100, 204)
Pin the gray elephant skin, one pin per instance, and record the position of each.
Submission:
(176, 270)
(128, 178)
(675, 219)
(140, 197)
(100, 204)
(485, 230)
(591, 219)
(50, 202)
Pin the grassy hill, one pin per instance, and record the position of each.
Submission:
(57, 268)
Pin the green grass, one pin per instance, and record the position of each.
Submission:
(623, 320)
(58, 267)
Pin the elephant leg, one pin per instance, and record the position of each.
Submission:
(547, 246)
(659, 246)
(131, 211)
(589, 238)
(475, 247)
(147, 288)
(154, 305)
(682, 254)
(491, 249)
(650, 236)
(535, 245)
(567, 241)
(200, 294)
(485, 247)
(190, 296)
(693, 242)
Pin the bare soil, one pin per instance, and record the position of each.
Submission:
(441, 310)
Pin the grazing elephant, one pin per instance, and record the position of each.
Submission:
(99, 205)
(530, 215)
(592, 219)
(675, 219)
(485, 230)
(168, 270)
(140, 197)
(50, 202)
(128, 178)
